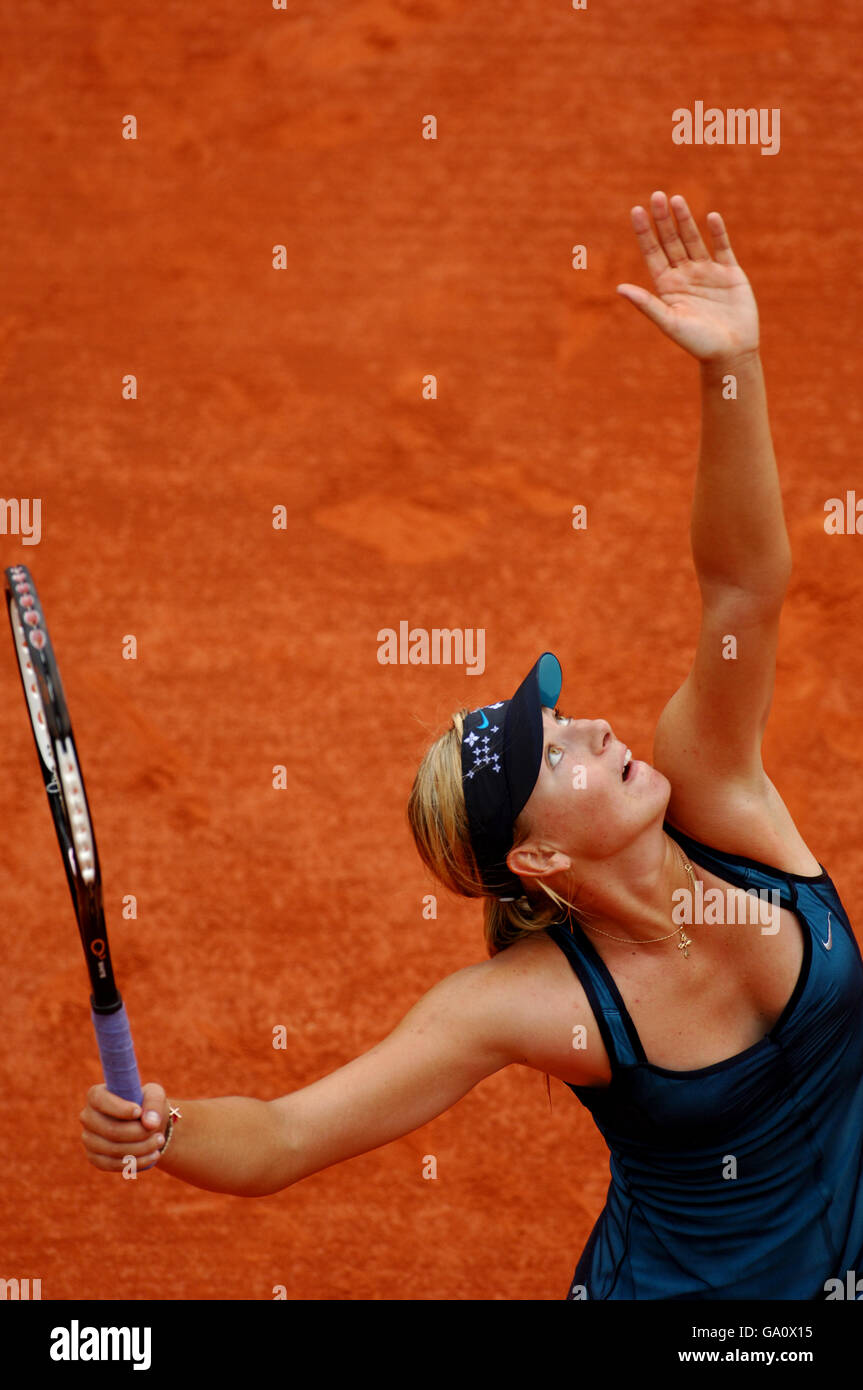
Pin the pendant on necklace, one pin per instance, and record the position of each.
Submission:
(684, 944)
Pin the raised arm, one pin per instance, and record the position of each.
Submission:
(708, 738)
(705, 304)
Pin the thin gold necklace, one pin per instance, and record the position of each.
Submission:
(683, 944)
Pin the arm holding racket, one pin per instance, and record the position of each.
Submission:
(468, 1026)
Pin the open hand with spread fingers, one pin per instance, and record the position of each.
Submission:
(703, 302)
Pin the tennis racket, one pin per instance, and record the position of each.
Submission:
(61, 772)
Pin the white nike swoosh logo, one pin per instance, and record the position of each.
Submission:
(829, 942)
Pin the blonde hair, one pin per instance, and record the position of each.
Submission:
(437, 816)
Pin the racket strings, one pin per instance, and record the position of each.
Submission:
(76, 808)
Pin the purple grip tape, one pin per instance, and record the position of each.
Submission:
(119, 1066)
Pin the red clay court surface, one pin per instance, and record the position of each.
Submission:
(257, 647)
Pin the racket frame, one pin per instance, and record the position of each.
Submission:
(70, 810)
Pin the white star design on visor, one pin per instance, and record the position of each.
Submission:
(482, 756)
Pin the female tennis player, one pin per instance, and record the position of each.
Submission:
(719, 1050)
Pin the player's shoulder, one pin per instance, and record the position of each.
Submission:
(748, 820)
(532, 1000)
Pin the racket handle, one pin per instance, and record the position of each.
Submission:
(119, 1066)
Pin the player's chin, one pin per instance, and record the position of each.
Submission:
(661, 789)
(646, 782)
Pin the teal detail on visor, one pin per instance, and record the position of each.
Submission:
(549, 679)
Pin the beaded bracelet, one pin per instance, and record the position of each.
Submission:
(169, 1134)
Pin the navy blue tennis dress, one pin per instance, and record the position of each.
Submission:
(789, 1110)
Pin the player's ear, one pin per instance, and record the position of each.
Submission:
(532, 859)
